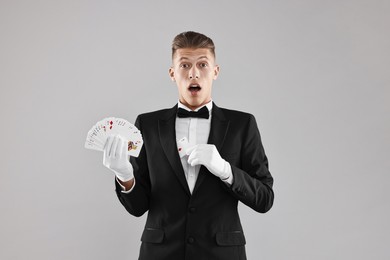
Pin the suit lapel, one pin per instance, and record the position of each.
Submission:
(167, 134)
(218, 130)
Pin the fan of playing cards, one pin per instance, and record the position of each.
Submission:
(99, 133)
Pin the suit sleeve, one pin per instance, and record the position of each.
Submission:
(136, 202)
(252, 182)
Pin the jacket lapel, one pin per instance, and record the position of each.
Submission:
(219, 128)
(167, 134)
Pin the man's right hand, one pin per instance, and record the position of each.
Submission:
(116, 159)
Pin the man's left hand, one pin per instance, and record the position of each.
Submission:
(208, 155)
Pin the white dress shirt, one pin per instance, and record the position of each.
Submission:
(197, 131)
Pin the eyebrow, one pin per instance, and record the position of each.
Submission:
(201, 57)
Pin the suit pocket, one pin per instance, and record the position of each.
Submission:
(152, 235)
(235, 238)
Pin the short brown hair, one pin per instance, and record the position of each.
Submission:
(194, 40)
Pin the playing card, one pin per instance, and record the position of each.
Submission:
(182, 146)
(98, 134)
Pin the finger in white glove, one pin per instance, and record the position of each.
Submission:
(116, 159)
(208, 155)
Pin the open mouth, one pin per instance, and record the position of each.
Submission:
(194, 88)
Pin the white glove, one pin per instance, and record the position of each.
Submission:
(116, 159)
(208, 155)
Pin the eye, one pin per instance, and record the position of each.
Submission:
(203, 65)
(184, 65)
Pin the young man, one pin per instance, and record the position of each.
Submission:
(191, 196)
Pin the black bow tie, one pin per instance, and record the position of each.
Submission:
(202, 113)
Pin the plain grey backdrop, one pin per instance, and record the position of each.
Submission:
(314, 73)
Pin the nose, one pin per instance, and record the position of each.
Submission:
(194, 73)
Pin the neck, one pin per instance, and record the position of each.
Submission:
(194, 107)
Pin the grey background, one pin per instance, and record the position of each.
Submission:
(314, 73)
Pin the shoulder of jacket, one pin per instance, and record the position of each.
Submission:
(235, 114)
(154, 114)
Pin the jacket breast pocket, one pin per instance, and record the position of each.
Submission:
(152, 235)
(234, 238)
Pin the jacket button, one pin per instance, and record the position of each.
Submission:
(192, 209)
(190, 240)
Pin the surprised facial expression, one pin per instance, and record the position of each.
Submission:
(194, 70)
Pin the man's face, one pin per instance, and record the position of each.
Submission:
(194, 70)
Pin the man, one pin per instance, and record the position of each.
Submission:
(191, 196)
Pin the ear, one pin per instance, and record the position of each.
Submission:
(171, 73)
(216, 71)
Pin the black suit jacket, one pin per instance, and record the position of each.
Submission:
(205, 224)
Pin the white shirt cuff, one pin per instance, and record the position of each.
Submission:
(123, 187)
(229, 180)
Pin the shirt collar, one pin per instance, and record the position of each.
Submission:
(209, 106)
